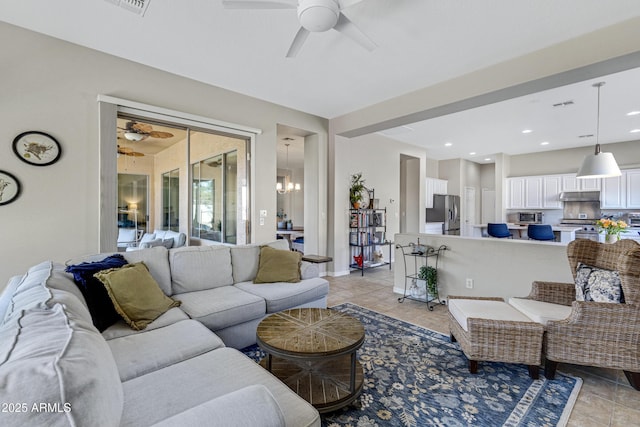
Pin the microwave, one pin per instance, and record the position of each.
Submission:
(530, 217)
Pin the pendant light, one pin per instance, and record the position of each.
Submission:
(288, 185)
(599, 164)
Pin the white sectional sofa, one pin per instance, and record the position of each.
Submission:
(56, 368)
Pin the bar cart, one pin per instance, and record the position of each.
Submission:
(421, 267)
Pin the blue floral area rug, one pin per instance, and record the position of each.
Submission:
(416, 377)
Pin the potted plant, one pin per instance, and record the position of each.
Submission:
(356, 189)
(430, 276)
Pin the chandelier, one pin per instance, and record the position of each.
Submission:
(287, 186)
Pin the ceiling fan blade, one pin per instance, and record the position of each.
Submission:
(298, 41)
(142, 128)
(348, 3)
(349, 29)
(257, 4)
(158, 134)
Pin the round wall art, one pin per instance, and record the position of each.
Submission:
(37, 148)
(9, 188)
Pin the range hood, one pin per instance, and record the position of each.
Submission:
(580, 196)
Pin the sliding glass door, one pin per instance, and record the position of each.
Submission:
(196, 180)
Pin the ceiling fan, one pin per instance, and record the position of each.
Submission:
(314, 16)
(129, 152)
(134, 131)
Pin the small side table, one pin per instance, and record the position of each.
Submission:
(317, 259)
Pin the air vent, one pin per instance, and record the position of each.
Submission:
(139, 7)
(563, 104)
(589, 135)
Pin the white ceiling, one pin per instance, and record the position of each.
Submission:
(420, 43)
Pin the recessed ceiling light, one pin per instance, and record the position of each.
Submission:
(473, 153)
(633, 113)
(487, 159)
(527, 131)
(448, 144)
(635, 131)
(544, 143)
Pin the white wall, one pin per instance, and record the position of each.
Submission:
(499, 267)
(378, 158)
(52, 86)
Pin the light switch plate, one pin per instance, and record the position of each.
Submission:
(263, 213)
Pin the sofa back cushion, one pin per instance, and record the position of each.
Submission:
(52, 355)
(44, 285)
(197, 268)
(171, 239)
(245, 259)
(54, 358)
(156, 259)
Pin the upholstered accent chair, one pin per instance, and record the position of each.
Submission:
(499, 229)
(602, 334)
(540, 232)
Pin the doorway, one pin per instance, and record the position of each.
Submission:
(409, 194)
(469, 210)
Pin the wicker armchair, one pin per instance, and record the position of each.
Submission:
(596, 334)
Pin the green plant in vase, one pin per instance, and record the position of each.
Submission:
(430, 276)
(356, 189)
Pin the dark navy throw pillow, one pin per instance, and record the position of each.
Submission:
(100, 306)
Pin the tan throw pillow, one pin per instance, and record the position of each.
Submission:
(277, 265)
(135, 294)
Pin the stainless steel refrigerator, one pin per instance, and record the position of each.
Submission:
(446, 209)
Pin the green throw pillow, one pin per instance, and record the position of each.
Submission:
(277, 265)
(135, 294)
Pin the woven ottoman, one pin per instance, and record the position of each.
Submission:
(489, 329)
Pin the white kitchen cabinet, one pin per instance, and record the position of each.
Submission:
(613, 194)
(633, 188)
(571, 183)
(533, 192)
(515, 193)
(551, 189)
(435, 186)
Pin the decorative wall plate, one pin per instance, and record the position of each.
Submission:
(9, 188)
(37, 148)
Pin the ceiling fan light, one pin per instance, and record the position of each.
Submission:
(599, 165)
(134, 136)
(318, 15)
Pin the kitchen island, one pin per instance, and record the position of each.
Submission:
(564, 233)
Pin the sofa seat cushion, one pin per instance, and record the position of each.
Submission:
(282, 296)
(196, 268)
(250, 406)
(540, 312)
(121, 329)
(463, 309)
(202, 378)
(139, 354)
(222, 307)
(55, 357)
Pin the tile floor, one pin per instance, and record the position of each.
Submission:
(606, 399)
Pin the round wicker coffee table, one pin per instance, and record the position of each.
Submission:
(313, 351)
